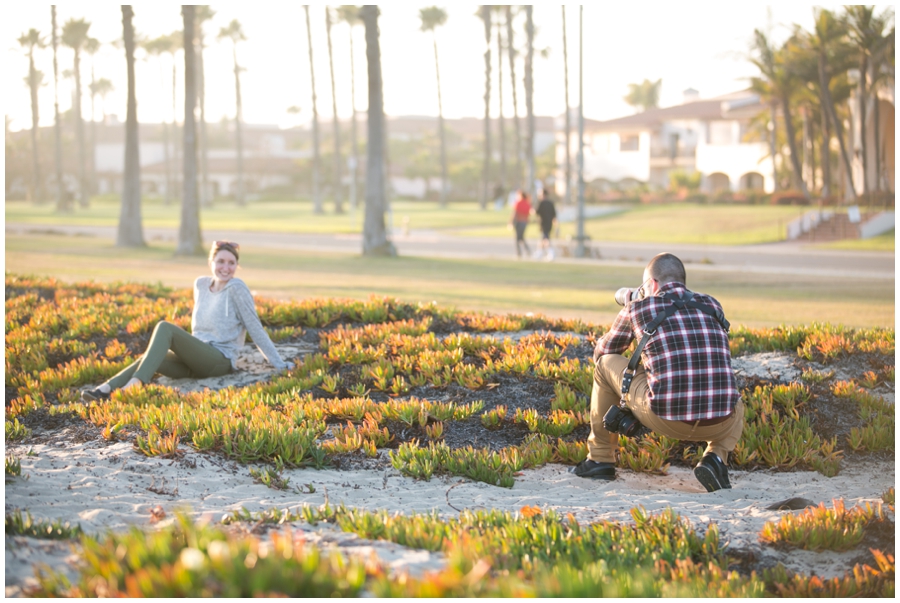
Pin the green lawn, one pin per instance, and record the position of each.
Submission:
(884, 242)
(671, 223)
(560, 290)
(680, 223)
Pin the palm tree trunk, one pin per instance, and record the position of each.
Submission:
(792, 145)
(773, 152)
(529, 97)
(239, 194)
(130, 232)
(205, 193)
(486, 169)
(375, 239)
(174, 129)
(825, 153)
(336, 176)
(838, 127)
(876, 122)
(62, 201)
(37, 192)
(511, 53)
(354, 178)
(501, 125)
(317, 199)
(864, 152)
(190, 241)
(92, 188)
(568, 118)
(442, 135)
(166, 142)
(79, 132)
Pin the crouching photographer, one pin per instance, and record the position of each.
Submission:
(685, 388)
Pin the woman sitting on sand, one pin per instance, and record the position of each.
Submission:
(223, 314)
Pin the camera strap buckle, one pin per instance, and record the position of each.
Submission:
(627, 378)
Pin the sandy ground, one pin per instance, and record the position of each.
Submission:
(103, 485)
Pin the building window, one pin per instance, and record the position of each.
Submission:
(629, 143)
(720, 132)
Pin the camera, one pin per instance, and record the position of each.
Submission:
(626, 295)
(620, 420)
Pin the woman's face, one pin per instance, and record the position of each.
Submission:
(223, 265)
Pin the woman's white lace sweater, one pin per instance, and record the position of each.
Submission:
(223, 319)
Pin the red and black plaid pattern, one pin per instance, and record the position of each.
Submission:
(688, 361)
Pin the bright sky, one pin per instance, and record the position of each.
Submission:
(700, 45)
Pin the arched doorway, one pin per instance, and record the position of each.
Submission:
(718, 182)
(752, 181)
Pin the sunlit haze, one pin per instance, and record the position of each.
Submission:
(689, 45)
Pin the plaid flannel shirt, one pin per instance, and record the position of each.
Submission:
(687, 360)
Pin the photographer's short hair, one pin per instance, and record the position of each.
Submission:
(666, 268)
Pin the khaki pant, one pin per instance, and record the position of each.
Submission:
(606, 392)
(174, 353)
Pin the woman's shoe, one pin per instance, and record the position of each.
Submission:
(94, 395)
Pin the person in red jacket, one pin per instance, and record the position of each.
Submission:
(521, 213)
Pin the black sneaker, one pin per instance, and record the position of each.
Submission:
(712, 473)
(594, 470)
(94, 395)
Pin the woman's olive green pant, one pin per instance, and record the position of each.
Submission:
(174, 353)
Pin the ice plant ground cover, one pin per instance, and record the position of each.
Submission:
(425, 393)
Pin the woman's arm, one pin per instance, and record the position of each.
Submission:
(246, 312)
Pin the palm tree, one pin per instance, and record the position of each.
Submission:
(30, 41)
(529, 95)
(156, 47)
(92, 46)
(62, 201)
(202, 13)
(101, 88)
(512, 78)
(349, 14)
(882, 75)
(190, 241)
(568, 113)
(375, 237)
(234, 33)
(336, 176)
(130, 229)
(501, 126)
(75, 35)
(317, 199)
(827, 42)
(485, 14)
(431, 18)
(644, 95)
(779, 83)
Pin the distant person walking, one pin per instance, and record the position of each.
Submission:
(223, 314)
(521, 213)
(546, 211)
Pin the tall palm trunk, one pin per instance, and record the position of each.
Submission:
(166, 142)
(92, 188)
(238, 129)
(876, 122)
(792, 145)
(511, 53)
(501, 126)
(568, 117)
(442, 135)
(317, 199)
(37, 188)
(825, 153)
(62, 200)
(375, 239)
(828, 105)
(773, 152)
(190, 241)
(205, 193)
(863, 150)
(354, 178)
(174, 127)
(79, 132)
(529, 97)
(336, 176)
(486, 169)
(130, 232)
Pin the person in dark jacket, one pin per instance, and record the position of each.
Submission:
(546, 211)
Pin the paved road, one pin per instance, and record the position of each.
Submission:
(775, 258)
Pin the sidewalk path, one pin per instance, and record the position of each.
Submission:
(774, 258)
